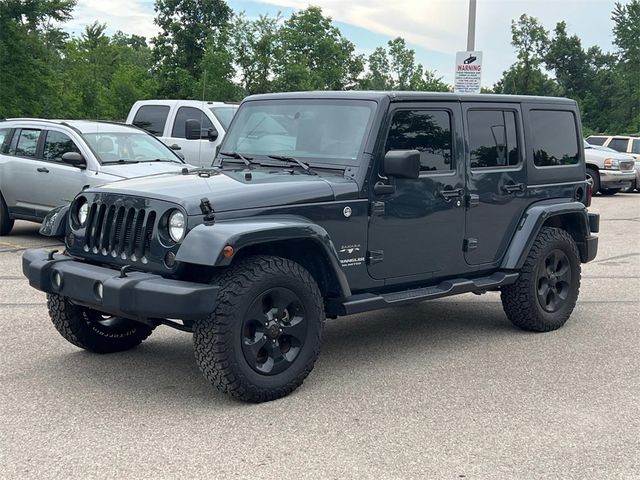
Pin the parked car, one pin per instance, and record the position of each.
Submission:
(191, 127)
(45, 163)
(607, 170)
(345, 202)
(623, 144)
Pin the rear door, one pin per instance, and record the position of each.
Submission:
(496, 184)
(22, 174)
(196, 152)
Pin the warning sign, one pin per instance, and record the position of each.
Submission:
(468, 72)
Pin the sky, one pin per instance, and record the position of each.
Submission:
(435, 29)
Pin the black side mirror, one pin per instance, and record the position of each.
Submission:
(212, 134)
(402, 163)
(192, 129)
(75, 159)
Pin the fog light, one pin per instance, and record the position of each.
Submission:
(56, 280)
(98, 289)
(170, 259)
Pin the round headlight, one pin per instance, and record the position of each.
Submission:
(83, 213)
(176, 226)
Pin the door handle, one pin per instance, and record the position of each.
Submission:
(451, 194)
(43, 169)
(513, 188)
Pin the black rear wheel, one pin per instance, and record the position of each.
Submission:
(546, 292)
(263, 337)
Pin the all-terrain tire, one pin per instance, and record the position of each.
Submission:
(6, 222)
(609, 191)
(218, 340)
(521, 300)
(92, 330)
(594, 177)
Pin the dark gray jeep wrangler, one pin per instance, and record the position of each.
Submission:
(325, 204)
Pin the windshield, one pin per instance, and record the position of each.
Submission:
(329, 131)
(224, 114)
(130, 147)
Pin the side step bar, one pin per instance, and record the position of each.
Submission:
(368, 301)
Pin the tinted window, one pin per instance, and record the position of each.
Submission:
(427, 131)
(224, 115)
(152, 118)
(492, 138)
(190, 113)
(596, 140)
(57, 144)
(635, 146)
(26, 143)
(619, 144)
(555, 138)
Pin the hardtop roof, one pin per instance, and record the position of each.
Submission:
(402, 96)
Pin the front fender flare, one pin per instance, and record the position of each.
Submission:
(530, 225)
(55, 223)
(204, 244)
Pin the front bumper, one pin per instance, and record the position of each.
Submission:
(616, 178)
(138, 295)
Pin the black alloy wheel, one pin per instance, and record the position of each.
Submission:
(274, 331)
(554, 279)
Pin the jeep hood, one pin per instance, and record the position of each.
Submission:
(235, 189)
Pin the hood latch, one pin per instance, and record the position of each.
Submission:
(207, 210)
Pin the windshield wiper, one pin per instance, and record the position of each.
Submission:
(247, 160)
(122, 160)
(285, 158)
(159, 160)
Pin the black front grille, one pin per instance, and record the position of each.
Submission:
(119, 231)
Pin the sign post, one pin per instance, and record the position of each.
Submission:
(468, 72)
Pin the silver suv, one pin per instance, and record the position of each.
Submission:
(45, 163)
(623, 144)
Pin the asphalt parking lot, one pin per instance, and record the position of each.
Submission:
(442, 390)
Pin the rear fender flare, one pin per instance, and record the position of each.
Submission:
(532, 222)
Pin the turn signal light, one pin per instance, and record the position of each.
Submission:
(589, 194)
(228, 251)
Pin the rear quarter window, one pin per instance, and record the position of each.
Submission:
(555, 138)
(152, 118)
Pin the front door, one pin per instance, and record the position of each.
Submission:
(196, 152)
(497, 194)
(418, 229)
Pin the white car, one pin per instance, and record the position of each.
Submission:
(608, 171)
(193, 128)
(623, 144)
(44, 164)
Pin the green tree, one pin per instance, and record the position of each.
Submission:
(187, 27)
(530, 40)
(379, 75)
(254, 47)
(566, 57)
(30, 44)
(312, 54)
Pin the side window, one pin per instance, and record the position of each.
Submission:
(493, 141)
(429, 132)
(635, 146)
(596, 140)
(152, 118)
(619, 144)
(4, 138)
(25, 144)
(190, 113)
(57, 144)
(555, 138)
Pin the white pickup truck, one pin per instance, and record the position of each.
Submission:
(192, 128)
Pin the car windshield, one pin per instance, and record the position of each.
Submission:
(128, 147)
(327, 131)
(225, 114)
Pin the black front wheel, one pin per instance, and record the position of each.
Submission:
(546, 292)
(92, 330)
(264, 336)
(6, 222)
